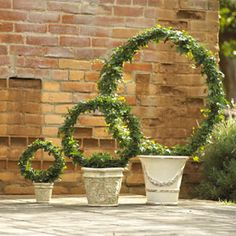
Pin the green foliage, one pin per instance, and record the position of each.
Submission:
(103, 160)
(219, 163)
(41, 176)
(228, 27)
(121, 124)
(111, 75)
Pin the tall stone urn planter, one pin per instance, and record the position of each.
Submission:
(102, 185)
(162, 175)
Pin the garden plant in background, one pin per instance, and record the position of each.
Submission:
(219, 163)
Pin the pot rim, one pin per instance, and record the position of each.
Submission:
(163, 157)
(110, 169)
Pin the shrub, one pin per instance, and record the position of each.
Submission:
(103, 160)
(219, 163)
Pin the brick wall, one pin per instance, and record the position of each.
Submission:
(60, 42)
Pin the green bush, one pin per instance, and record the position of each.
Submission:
(219, 164)
(103, 160)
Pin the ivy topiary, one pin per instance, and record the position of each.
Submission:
(111, 75)
(122, 124)
(41, 176)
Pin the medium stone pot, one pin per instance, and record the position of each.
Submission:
(102, 185)
(163, 175)
(43, 192)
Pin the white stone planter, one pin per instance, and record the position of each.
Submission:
(102, 185)
(163, 175)
(43, 192)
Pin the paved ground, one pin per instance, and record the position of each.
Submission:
(69, 215)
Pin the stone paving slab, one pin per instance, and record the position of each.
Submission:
(69, 215)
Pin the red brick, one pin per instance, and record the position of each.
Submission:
(78, 87)
(53, 119)
(12, 15)
(41, 63)
(87, 143)
(101, 133)
(77, 75)
(63, 6)
(140, 23)
(63, 29)
(94, 31)
(138, 67)
(123, 2)
(155, 3)
(74, 41)
(109, 21)
(92, 121)
(5, 3)
(31, 108)
(32, 73)
(29, 4)
(77, 19)
(59, 52)
(91, 76)
(51, 86)
(83, 132)
(4, 60)
(128, 11)
(101, 42)
(42, 40)
(90, 53)
(11, 38)
(74, 64)
(59, 74)
(24, 83)
(97, 65)
(3, 50)
(140, 2)
(107, 143)
(199, 4)
(22, 50)
(37, 28)
(3, 83)
(6, 27)
(61, 97)
(46, 17)
(124, 33)
(107, 1)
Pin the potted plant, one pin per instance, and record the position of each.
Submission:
(155, 157)
(163, 169)
(43, 180)
(101, 172)
(102, 176)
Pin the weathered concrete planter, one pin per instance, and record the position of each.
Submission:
(102, 185)
(163, 175)
(43, 192)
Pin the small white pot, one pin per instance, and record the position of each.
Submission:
(163, 175)
(102, 185)
(43, 192)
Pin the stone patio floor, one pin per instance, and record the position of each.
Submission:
(69, 215)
